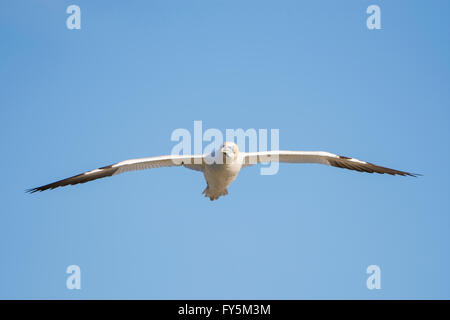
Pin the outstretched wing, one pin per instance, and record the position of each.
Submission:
(321, 158)
(191, 162)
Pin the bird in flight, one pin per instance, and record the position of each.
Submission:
(221, 167)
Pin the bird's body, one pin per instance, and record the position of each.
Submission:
(218, 177)
(222, 167)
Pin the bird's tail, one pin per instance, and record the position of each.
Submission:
(214, 194)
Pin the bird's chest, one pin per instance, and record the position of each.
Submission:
(219, 176)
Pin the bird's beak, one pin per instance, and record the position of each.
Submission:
(228, 152)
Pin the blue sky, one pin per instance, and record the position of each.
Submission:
(74, 100)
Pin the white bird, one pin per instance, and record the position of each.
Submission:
(222, 167)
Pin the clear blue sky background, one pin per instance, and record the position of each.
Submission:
(74, 100)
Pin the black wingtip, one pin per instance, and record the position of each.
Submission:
(32, 190)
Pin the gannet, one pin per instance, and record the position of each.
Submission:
(221, 167)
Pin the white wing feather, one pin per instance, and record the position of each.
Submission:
(320, 157)
(188, 161)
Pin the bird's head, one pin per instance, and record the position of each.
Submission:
(229, 151)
